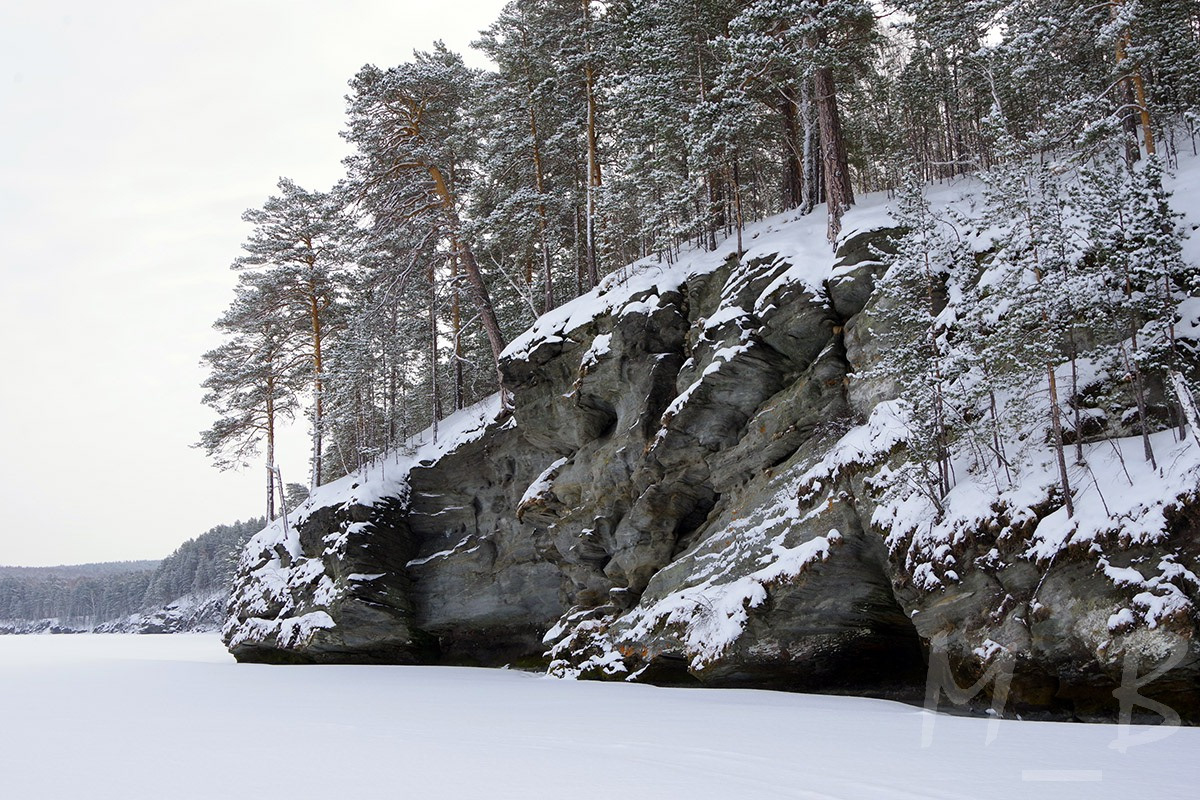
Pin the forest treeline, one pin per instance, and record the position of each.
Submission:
(81, 597)
(475, 200)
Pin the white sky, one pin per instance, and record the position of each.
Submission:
(133, 133)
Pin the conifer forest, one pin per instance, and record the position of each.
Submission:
(477, 199)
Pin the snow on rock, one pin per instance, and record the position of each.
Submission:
(703, 464)
(714, 613)
(732, 574)
(284, 595)
(794, 241)
(542, 484)
(600, 347)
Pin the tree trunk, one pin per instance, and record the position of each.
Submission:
(393, 390)
(593, 160)
(1056, 428)
(318, 387)
(839, 195)
(580, 258)
(487, 312)
(592, 187)
(1073, 352)
(713, 216)
(270, 450)
(456, 331)
(1134, 88)
(735, 179)
(793, 169)
(810, 150)
(539, 184)
(435, 402)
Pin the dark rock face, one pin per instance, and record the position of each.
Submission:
(661, 503)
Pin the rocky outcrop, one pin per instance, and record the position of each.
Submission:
(696, 482)
(192, 613)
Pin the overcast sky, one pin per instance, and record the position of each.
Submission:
(133, 133)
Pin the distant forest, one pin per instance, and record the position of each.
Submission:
(82, 596)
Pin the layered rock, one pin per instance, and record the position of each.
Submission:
(694, 483)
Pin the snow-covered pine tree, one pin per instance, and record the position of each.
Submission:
(395, 326)
(1031, 298)
(919, 348)
(941, 87)
(1162, 47)
(297, 253)
(533, 185)
(413, 149)
(1135, 253)
(812, 40)
(253, 384)
(663, 64)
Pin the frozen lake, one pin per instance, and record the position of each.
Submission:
(172, 717)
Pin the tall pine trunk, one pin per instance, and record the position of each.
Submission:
(793, 169)
(460, 401)
(435, 401)
(318, 387)
(839, 195)
(735, 179)
(1057, 433)
(270, 449)
(810, 150)
(540, 185)
(1133, 89)
(483, 300)
(593, 158)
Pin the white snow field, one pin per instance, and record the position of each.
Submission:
(173, 717)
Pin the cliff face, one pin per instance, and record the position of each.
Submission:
(700, 480)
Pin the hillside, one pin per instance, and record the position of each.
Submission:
(714, 470)
(185, 591)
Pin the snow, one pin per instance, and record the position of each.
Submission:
(601, 346)
(730, 573)
(142, 718)
(416, 562)
(543, 483)
(268, 583)
(1120, 499)
(722, 356)
(794, 241)
(387, 478)
(714, 613)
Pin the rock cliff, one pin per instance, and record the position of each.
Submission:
(695, 480)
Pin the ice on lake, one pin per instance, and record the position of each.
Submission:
(171, 717)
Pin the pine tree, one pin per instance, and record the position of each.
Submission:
(528, 196)
(609, 131)
(253, 385)
(920, 350)
(297, 254)
(1031, 270)
(813, 40)
(406, 124)
(1135, 254)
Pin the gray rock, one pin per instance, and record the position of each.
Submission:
(681, 529)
